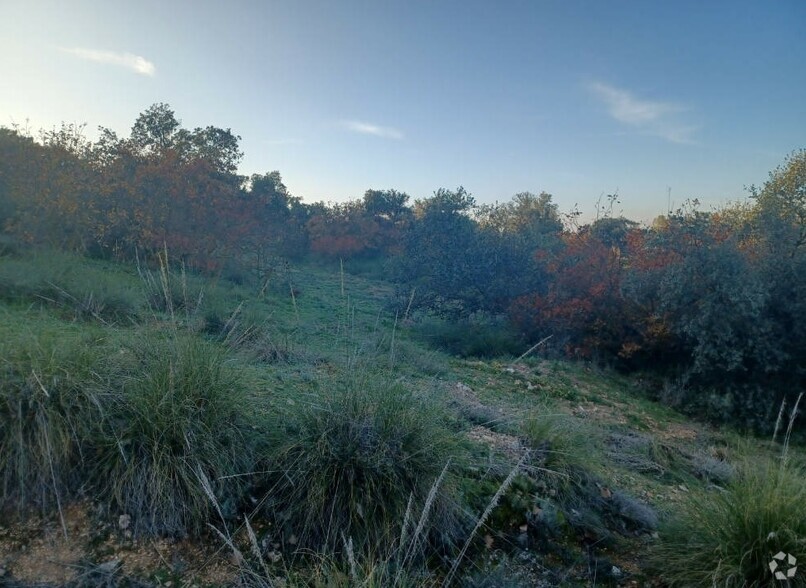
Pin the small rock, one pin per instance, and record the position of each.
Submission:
(580, 411)
(683, 487)
(616, 572)
(109, 566)
(124, 521)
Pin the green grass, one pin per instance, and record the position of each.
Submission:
(728, 538)
(51, 378)
(321, 415)
(80, 288)
(354, 453)
(178, 429)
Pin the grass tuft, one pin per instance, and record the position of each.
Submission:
(560, 442)
(352, 458)
(49, 383)
(728, 538)
(180, 421)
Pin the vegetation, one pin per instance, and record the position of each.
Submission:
(706, 302)
(728, 538)
(184, 352)
(354, 461)
(50, 381)
(178, 431)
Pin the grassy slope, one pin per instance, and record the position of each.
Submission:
(336, 319)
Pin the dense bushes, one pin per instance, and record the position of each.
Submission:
(706, 301)
(476, 337)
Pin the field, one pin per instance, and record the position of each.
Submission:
(302, 427)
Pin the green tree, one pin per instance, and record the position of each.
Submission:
(782, 204)
(155, 129)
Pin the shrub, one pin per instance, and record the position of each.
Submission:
(177, 431)
(49, 383)
(467, 338)
(728, 538)
(9, 247)
(352, 459)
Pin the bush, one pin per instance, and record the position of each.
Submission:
(177, 432)
(49, 382)
(470, 339)
(352, 459)
(728, 538)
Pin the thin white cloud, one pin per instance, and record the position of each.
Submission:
(136, 63)
(652, 117)
(374, 130)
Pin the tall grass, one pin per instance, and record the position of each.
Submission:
(728, 538)
(561, 444)
(353, 457)
(49, 385)
(82, 288)
(181, 418)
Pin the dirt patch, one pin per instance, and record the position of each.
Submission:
(678, 432)
(37, 551)
(508, 445)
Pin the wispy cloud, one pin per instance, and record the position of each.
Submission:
(370, 129)
(136, 63)
(652, 117)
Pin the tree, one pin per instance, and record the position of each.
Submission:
(155, 130)
(217, 146)
(389, 205)
(439, 254)
(782, 203)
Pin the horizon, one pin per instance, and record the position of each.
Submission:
(659, 104)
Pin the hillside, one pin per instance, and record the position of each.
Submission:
(161, 428)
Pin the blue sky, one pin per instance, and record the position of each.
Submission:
(574, 98)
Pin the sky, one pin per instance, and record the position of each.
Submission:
(659, 102)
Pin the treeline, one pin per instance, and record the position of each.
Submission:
(709, 303)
